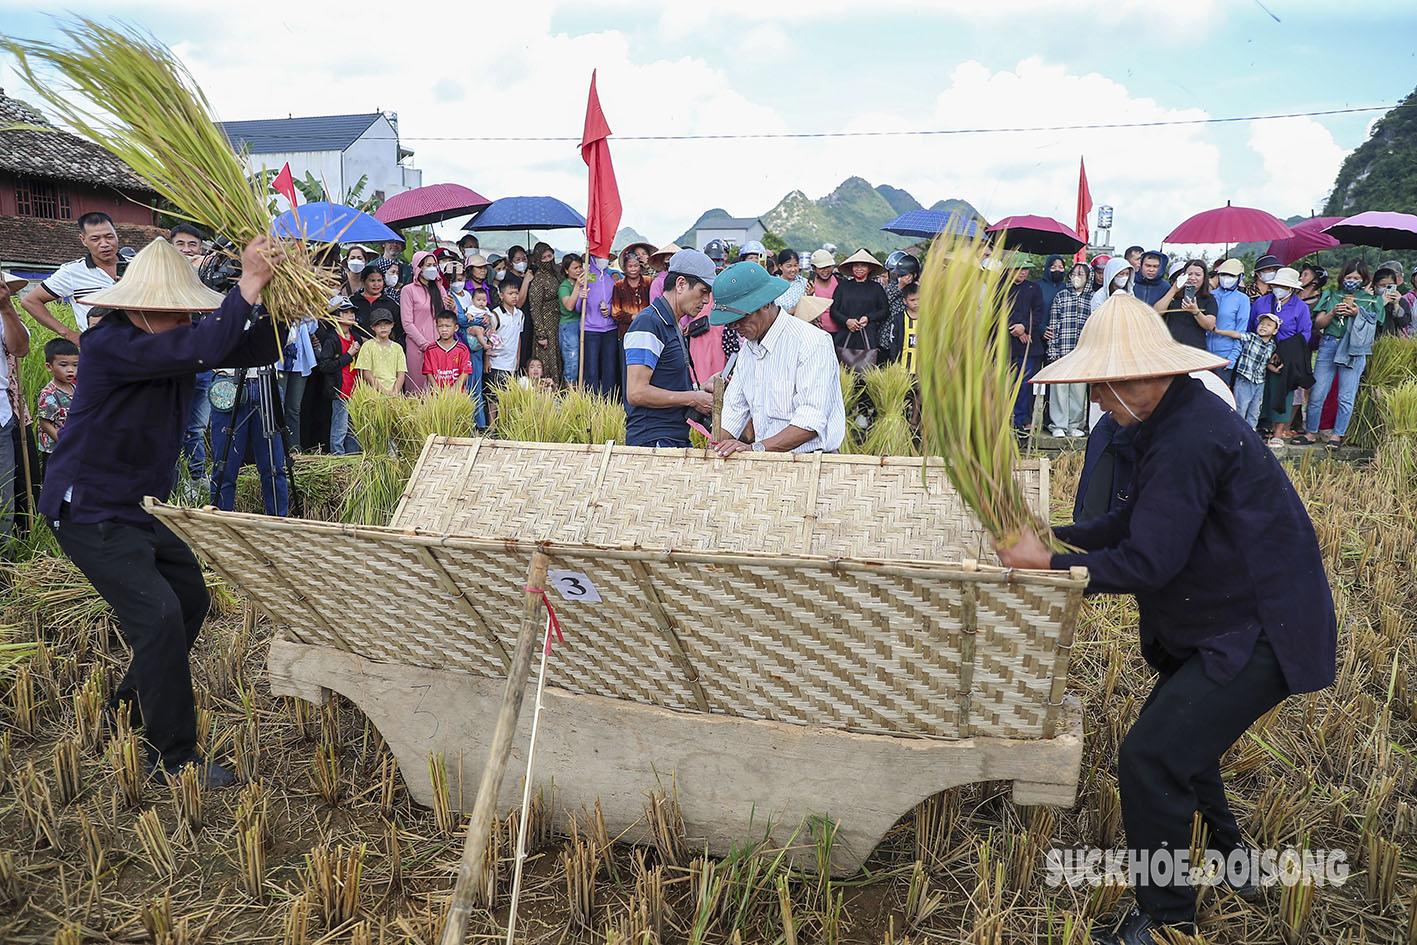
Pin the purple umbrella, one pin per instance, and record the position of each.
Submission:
(1384, 229)
(1229, 224)
(1309, 237)
(430, 204)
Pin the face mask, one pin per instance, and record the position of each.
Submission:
(1268, 276)
(355, 266)
(431, 274)
(1120, 281)
(391, 278)
(1228, 282)
(1055, 275)
(519, 266)
(1280, 292)
(1079, 281)
(501, 274)
(1351, 284)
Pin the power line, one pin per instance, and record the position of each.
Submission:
(927, 132)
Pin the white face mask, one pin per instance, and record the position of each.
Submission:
(391, 277)
(431, 273)
(1079, 281)
(519, 266)
(1268, 275)
(501, 274)
(1120, 281)
(1280, 292)
(355, 266)
(1228, 282)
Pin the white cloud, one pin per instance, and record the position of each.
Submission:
(523, 79)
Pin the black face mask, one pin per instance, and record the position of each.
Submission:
(1056, 275)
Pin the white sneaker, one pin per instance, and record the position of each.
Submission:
(1076, 433)
(1056, 431)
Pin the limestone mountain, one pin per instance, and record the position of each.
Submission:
(1381, 173)
(851, 216)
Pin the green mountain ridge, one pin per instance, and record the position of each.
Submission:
(850, 217)
(1381, 173)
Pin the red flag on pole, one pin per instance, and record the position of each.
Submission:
(284, 184)
(602, 219)
(1084, 208)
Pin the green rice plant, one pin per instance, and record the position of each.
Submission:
(1397, 454)
(374, 418)
(850, 397)
(889, 389)
(437, 411)
(968, 385)
(130, 95)
(1392, 362)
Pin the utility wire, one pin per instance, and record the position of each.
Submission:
(1022, 129)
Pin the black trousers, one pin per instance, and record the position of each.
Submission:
(154, 584)
(1168, 766)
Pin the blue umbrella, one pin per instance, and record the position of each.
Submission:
(526, 213)
(323, 222)
(927, 224)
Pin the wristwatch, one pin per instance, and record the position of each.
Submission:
(758, 447)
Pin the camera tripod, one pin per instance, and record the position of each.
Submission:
(271, 414)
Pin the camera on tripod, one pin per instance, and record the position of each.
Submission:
(221, 269)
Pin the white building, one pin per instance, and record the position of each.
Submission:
(717, 225)
(336, 150)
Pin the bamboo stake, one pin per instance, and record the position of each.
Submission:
(718, 389)
(526, 787)
(474, 853)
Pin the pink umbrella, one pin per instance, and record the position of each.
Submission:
(429, 205)
(1380, 228)
(1229, 224)
(1035, 234)
(1308, 238)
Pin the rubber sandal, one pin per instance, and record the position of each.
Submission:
(1301, 440)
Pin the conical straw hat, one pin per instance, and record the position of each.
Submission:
(810, 306)
(1123, 340)
(13, 281)
(159, 279)
(861, 256)
(665, 251)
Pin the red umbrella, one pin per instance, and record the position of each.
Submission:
(1383, 229)
(1308, 238)
(429, 205)
(1229, 224)
(1034, 234)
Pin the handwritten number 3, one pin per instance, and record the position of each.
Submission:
(573, 586)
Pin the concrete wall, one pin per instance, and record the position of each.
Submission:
(374, 154)
(324, 166)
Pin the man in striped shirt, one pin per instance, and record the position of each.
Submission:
(75, 280)
(785, 394)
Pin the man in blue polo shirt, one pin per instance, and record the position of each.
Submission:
(658, 388)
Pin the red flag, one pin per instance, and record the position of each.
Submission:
(284, 184)
(1084, 208)
(602, 218)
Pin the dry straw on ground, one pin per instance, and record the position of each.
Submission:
(1330, 770)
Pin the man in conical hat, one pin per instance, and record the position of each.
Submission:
(121, 443)
(1236, 611)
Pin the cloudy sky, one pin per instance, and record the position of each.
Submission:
(455, 71)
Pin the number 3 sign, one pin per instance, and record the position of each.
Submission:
(573, 585)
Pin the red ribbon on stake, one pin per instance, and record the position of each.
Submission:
(553, 625)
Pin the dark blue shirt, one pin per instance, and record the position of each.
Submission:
(124, 431)
(1026, 308)
(653, 340)
(1215, 544)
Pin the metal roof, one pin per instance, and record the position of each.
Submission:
(285, 135)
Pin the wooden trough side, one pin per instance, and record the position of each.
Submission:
(736, 779)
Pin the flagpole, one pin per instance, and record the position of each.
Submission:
(585, 270)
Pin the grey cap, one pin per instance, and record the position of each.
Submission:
(691, 262)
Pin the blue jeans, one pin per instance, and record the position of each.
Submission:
(1023, 406)
(194, 441)
(1248, 397)
(1325, 372)
(602, 362)
(569, 334)
(269, 453)
(291, 396)
(474, 390)
(342, 441)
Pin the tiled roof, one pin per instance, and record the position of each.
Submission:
(49, 243)
(58, 154)
(284, 135)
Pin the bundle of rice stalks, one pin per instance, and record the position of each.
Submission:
(889, 389)
(850, 397)
(130, 95)
(1397, 456)
(375, 419)
(1393, 361)
(437, 411)
(968, 385)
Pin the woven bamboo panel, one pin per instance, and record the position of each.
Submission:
(632, 497)
(913, 649)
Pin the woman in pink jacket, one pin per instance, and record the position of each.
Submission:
(420, 302)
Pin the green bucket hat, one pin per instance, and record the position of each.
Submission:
(742, 289)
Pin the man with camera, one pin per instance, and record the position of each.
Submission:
(121, 443)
